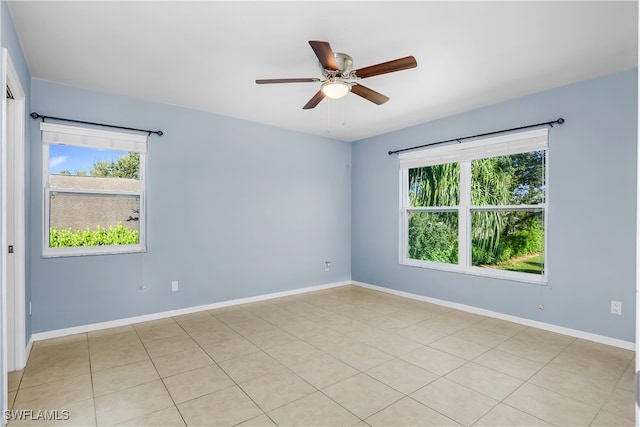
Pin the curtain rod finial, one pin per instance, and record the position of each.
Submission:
(35, 115)
(560, 121)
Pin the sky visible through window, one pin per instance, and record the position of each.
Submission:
(74, 159)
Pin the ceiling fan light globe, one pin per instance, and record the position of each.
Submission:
(335, 89)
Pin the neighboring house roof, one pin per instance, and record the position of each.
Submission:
(79, 212)
(103, 183)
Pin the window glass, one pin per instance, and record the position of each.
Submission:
(508, 240)
(94, 198)
(433, 236)
(508, 180)
(437, 185)
(80, 219)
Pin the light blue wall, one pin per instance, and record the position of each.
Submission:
(592, 205)
(235, 209)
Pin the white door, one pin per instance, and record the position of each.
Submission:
(636, 379)
(13, 218)
(10, 249)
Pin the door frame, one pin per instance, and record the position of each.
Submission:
(14, 115)
(636, 377)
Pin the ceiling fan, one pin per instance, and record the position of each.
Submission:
(339, 79)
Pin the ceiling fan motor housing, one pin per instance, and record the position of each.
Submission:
(345, 64)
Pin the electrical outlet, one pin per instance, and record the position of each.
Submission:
(327, 266)
(174, 286)
(616, 307)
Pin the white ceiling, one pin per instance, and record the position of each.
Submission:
(207, 55)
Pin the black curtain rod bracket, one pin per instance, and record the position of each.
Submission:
(40, 116)
(550, 124)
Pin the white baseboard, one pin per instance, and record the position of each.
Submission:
(27, 351)
(463, 307)
(161, 315)
(520, 320)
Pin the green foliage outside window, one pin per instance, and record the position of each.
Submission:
(118, 235)
(433, 236)
(127, 166)
(497, 237)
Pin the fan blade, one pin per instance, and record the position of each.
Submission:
(369, 94)
(314, 101)
(325, 54)
(269, 81)
(387, 67)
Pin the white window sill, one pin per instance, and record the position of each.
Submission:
(91, 251)
(478, 271)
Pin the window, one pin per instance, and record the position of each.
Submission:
(478, 207)
(94, 191)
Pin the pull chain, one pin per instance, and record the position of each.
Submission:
(328, 116)
(344, 110)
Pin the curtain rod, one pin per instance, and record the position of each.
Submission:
(40, 116)
(551, 123)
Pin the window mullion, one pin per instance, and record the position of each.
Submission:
(433, 209)
(464, 216)
(45, 185)
(55, 190)
(404, 214)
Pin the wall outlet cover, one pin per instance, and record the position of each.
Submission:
(616, 307)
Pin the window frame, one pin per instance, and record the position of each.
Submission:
(464, 154)
(92, 138)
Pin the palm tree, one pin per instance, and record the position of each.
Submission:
(433, 236)
(439, 186)
(490, 186)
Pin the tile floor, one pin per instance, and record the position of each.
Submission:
(343, 356)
